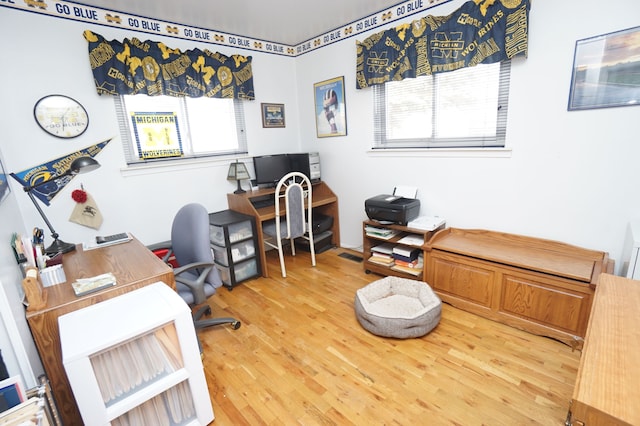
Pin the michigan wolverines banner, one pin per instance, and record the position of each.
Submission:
(157, 134)
(54, 168)
(479, 32)
(136, 67)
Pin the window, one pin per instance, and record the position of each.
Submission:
(155, 128)
(466, 108)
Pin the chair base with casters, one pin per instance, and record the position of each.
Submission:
(196, 276)
(165, 252)
(293, 191)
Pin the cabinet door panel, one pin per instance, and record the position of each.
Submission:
(556, 307)
(454, 276)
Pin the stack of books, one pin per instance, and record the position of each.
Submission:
(407, 259)
(382, 254)
(383, 233)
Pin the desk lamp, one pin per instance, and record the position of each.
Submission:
(79, 165)
(238, 172)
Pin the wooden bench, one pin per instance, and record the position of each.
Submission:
(542, 286)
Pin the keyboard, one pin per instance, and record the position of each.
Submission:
(258, 204)
(113, 238)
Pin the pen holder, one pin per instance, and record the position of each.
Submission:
(36, 299)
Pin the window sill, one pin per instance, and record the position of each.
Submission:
(442, 152)
(179, 165)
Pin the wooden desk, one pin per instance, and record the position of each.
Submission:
(323, 201)
(607, 387)
(133, 265)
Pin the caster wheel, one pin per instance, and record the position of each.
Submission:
(367, 271)
(207, 311)
(236, 325)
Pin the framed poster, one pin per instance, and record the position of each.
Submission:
(606, 71)
(330, 107)
(272, 115)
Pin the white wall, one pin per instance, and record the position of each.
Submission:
(52, 57)
(571, 176)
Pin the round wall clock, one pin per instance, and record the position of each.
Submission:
(61, 116)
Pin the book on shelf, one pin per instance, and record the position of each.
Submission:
(413, 264)
(385, 248)
(406, 251)
(382, 261)
(412, 240)
(382, 256)
(383, 233)
(413, 271)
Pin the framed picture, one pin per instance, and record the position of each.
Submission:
(331, 115)
(606, 71)
(272, 115)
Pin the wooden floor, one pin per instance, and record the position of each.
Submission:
(301, 357)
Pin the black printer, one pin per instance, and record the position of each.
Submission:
(392, 208)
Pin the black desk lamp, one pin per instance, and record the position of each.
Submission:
(79, 165)
(238, 172)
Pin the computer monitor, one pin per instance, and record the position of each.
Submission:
(269, 169)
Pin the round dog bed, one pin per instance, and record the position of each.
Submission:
(398, 307)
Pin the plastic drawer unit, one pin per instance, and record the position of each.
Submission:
(234, 244)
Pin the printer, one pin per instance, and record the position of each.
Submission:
(392, 208)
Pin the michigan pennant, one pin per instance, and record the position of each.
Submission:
(51, 169)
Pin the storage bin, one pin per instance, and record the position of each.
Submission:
(243, 270)
(239, 252)
(237, 232)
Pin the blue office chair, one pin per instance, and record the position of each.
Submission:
(196, 276)
(293, 191)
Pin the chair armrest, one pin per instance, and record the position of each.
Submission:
(197, 286)
(166, 245)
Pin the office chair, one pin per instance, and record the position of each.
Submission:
(291, 190)
(196, 276)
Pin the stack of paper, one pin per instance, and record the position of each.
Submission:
(383, 233)
(427, 223)
(84, 286)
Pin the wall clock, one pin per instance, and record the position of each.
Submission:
(61, 116)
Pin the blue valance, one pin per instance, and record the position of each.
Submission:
(134, 67)
(479, 32)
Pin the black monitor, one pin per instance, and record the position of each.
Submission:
(269, 169)
(299, 163)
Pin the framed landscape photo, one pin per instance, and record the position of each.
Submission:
(272, 115)
(330, 107)
(606, 71)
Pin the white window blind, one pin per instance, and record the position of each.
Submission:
(207, 126)
(460, 109)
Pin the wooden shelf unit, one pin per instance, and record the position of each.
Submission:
(369, 241)
(544, 287)
(323, 201)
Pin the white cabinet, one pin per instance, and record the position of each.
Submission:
(134, 359)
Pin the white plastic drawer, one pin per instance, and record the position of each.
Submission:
(243, 270)
(239, 252)
(237, 232)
